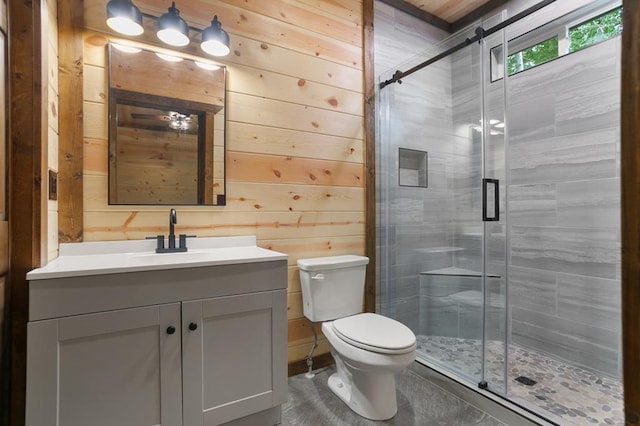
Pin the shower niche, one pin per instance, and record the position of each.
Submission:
(413, 168)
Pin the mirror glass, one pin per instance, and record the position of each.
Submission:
(166, 129)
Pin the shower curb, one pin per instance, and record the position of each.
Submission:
(501, 409)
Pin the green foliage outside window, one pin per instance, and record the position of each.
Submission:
(595, 30)
(585, 34)
(533, 55)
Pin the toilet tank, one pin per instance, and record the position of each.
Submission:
(332, 287)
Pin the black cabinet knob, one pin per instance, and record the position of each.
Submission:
(193, 326)
(171, 329)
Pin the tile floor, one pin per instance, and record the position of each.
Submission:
(565, 394)
(420, 402)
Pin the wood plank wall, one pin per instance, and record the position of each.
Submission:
(295, 136)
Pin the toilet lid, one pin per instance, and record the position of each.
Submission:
(332, 262)
(375, 333)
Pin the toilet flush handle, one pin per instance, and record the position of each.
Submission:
(318, 276)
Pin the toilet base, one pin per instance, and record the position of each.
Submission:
(381, 405)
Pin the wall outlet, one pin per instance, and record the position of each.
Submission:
(53, 185)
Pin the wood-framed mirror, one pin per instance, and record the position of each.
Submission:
(166, 129)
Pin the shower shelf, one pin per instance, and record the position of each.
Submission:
(439, 249)
(457, 272)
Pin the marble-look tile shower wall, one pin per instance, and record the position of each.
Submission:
(564, 207)
(414, 220)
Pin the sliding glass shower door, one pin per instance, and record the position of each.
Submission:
(442, 204)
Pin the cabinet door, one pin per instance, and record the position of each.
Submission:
(234, 354)
(113, 368)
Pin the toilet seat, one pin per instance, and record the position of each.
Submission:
(375, 333)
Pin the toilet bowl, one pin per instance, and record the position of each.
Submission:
(365, 373)
(368, 348)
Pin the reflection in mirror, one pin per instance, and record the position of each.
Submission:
(166, 130)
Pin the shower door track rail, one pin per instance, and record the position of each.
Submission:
(480, 34)
(522, 407)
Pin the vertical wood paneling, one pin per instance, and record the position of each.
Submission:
(70, 198)
(295, 136)
(50, 40)
(630, 169)
(370, 156)
(5, 296)
(27, 153)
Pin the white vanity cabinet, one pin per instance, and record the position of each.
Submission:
(194, 345)
(230, 360)
(111, 368)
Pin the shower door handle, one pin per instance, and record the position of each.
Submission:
(490, 214)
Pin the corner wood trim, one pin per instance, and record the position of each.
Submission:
(70, 145)
(370, 156)
(630, 203)
(27, 205)
(319, 361)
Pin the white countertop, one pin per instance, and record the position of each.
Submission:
(115, 257)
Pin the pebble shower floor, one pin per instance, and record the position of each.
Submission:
(563, 393)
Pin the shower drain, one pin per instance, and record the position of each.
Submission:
(526, 381)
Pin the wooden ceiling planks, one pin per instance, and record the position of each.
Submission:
(449, 10)
(448, 15)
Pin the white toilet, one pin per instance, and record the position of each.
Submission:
(368, 348)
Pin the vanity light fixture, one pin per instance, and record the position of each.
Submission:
(124, 17)
(215, 40)
(172, 29)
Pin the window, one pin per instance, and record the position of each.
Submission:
(568, 34)
(533, 55)
(595, 30)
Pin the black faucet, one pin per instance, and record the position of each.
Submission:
(173, 219)
(160, 248)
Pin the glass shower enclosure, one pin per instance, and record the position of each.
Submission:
(498, 206)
